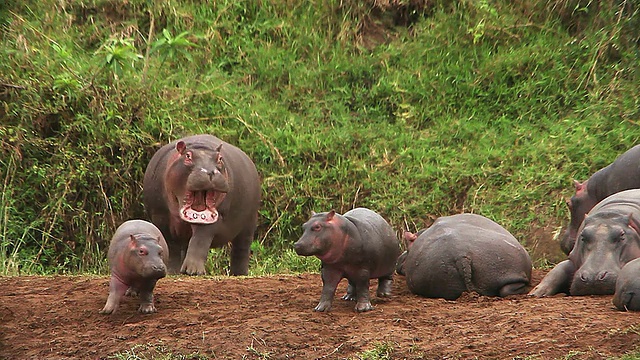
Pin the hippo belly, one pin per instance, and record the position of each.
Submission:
(466, 252)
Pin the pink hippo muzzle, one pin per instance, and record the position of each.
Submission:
(200, 207)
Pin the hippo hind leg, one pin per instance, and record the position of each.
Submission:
(384, 286)
(351, 292)
(240, 251)
(513, 289)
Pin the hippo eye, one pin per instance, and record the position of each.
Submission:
(142, 252)
(316, 227)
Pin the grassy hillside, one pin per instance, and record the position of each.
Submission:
(415, 109)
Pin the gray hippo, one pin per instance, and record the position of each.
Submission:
(137, 257)
(607, 239)
(627, 294)
(464, 252)
(202, 192)
(359, 245)
(622, 174)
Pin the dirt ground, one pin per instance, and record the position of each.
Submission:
(272, 318)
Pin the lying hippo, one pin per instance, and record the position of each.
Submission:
(137, 256)
(464, 252)
(359, 245)
(202, 192)
(622, 174)
(607, 239)
(627, 294)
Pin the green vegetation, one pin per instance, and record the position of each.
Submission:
(415, 109)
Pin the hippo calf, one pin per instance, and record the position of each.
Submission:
(627, 293)
(202, 192)
(608, 238)
(137, 256)
(464, 252)
(359, 245)
(622, 174)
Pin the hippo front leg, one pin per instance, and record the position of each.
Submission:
(117, 290)
(146, 298)
(556, 281)
(330, 280)
(240, 251)
(198, 250)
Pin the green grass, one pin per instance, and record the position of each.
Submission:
(463, 106)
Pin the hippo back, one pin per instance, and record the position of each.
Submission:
(465, 252)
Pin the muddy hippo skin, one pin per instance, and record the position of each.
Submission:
(202, 192)
(464, 252)
(137, 257)
(359, 245)
(622, 174)
(607, 239)
(627, 294)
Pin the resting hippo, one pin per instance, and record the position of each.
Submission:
(607, 239)
(202, 192)
(622, 174)
(627, 294)
(464, 252)
(359, 245)
(137, 256)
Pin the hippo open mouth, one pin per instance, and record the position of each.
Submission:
(199, 207)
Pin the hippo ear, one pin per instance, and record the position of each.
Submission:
(181, 146)
(409, 237)
(330, 215)
(580, 186)
(313, 213)
(633, 223)
(219, 148)
(133, 241)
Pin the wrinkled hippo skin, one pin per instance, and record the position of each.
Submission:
(137, 257)
(622, 174)
(359, 245)
(607, 239)
(627, 294)
(202, 192)
(464, 252)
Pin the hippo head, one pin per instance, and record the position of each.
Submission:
(323, 237)
(409, 238)
(145, 257)
(201, 182)
(606, 242)
(579, 205)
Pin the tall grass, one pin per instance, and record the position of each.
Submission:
(413, 109)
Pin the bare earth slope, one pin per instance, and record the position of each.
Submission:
(272, 317)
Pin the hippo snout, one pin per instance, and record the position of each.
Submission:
(301, 249)
(601, 282)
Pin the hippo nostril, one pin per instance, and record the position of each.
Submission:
(602, 275)
(582, 277)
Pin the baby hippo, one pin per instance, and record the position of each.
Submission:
(627, 295)
(137, 256)
(359, 245)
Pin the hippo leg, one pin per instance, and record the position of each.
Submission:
(240, 251)
(330, 280)
(116, 290)
(513, 289)
(384, 286)
(198, 250)
(146, 298)
(351, 292)
(363, 302)
(622, 300)
(556, 281)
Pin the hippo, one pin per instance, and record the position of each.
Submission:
(202, 192)
(137, 256)
(622, 174)
(627, 287)
(608, 238)
(462, 253)
(359, 245)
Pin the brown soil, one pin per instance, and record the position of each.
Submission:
(272, 318)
